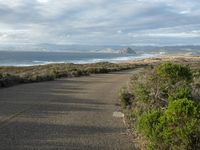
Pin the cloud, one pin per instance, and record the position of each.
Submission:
(43, 1)
(100, 21)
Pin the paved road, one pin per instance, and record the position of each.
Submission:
(69, 113)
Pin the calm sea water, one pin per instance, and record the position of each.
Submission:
(39, 58)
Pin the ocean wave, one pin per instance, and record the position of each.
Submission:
(81, 60)
(116, 59)
(46, 62)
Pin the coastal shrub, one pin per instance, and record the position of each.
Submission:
(76, 73)
(141, 92)
(91, 70)
(164, 112)
(103, 70)
(173, 73)
(176, 128)
(148, 125)
(182, 91)
(180, 125)
(125, 97)
(196, 86)
(56, 72)
(97, 70)
(8, 80)
(196, 73)
(62, 73)
(169, 77)
(52, 71)
(196, 90)
(155, 85)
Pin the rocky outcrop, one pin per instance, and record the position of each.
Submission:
(127, 51)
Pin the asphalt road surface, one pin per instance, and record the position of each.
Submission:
(66, 114)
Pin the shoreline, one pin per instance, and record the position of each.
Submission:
(148, 60)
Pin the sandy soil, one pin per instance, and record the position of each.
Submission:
(69, 113)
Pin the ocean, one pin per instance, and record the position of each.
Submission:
(41, 54)
(20, 58)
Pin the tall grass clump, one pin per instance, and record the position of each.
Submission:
(126, 97)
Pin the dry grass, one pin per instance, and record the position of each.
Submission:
(15, 75)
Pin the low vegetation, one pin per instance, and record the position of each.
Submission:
(15, 75)
(162, 107)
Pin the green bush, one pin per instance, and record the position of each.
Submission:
(164, 112)
(180, 125)
(141, 92)
(182, 91)
(170, 76)
(148, 124)
(177, 128)
(174, 72)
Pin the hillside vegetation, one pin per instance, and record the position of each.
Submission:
(162, 106)
(16, 75)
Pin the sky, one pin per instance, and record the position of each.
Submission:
(100, 22)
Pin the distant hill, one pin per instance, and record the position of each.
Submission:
(127, 51)
(47, 47)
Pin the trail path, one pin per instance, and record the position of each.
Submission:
(66, 114)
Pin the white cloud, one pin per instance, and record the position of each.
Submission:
(185, 12)
(12, 3)
(43, 1)
(119, 31)
(99, 21)
(176, 35)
